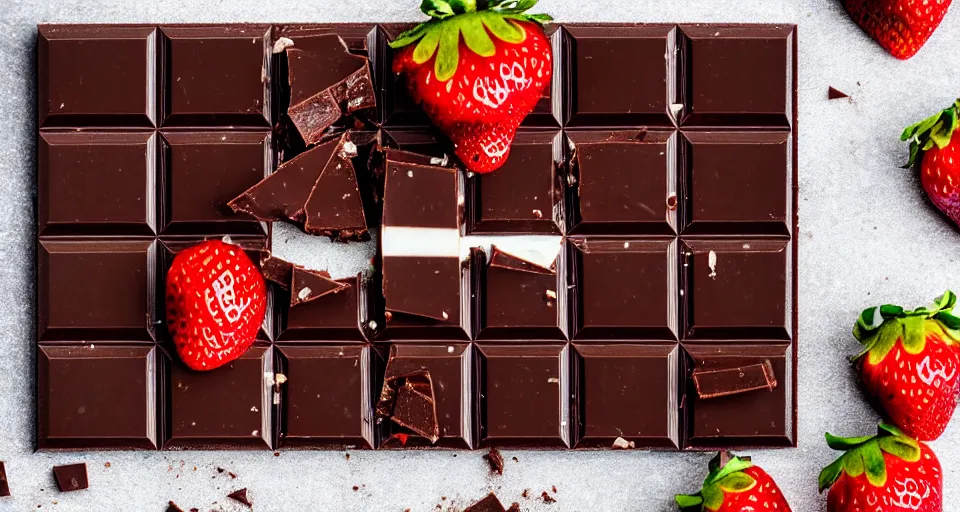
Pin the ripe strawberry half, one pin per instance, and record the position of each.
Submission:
(909, 365)
(735, 485)
(901, 27)
(935, 143)
(889, 472)
(216, 301)
(477, 72)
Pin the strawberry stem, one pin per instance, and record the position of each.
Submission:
(879, 328)
(937, 130)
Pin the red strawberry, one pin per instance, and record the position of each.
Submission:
(901, 27)
(938, 140)
(735, 486)
(889, 473)
(909, 366)
(477, 73)
(216, 300)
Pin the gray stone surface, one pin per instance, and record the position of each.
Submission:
(866, 235)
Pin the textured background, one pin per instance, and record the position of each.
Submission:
(866, 235)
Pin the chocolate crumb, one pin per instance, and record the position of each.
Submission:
(515, 459)
(514, 507)
(553, 488)
(526, 493)
(347, 456)
(547, 498)
(240, 496)
(194, 509)
(836, 94)
(172, 507)
(356, 487)
(495, 460)
(276, 454)
(106, 464)
(220, 470)
(232, 474)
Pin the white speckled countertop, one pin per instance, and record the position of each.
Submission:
(866, 235)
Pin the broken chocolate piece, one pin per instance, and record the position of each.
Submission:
(505, 260)
(495, 460)
(418, 193)
(307, 285)
(173, 507)
(241, 497)
(732, 381)
(416, 410)
(4, 485)
(334, 207)
(836, 94)
(547, 498)
(488, 504)
(71, 477)
(325, 83)
(514, 507)
(277, 270)
(283, 195)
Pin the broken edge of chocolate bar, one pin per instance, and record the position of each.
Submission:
(408, 400)
(308, 285)
(734, 381)
(71, 477)
(489, 503)
(503, 259)
(334, 207)
(322, 88)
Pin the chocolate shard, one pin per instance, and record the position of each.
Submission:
(240, 496)
(836, 94)
(4, 485)
(173, 507)
(326, 82)
(488, 504)
(334, 207)
(733, 381)
(71, 477)
(277, 270)
(495, 459)
(307, 285)
(507, 261)
(284, 194)
(416, 410)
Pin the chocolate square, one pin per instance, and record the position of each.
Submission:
(628, 392)
(96, 289)
(528, 303)
(72, 168)
(97, 395)
(96, 75)
(202, 172)
(423, 298)
(337, 317)
(522, 395)
(216, 75)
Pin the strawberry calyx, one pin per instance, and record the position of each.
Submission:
(475, 20)
(864, 455)
(878, 328)
(723, 479)
(937, 130)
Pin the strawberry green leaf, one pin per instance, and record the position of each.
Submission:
(737, 482)
(830, 474)
(410, 36)
(874, 464)
(947, 301)
(449, 55)
(900, 447)
(504, 30)
(476, 36)
(853, 463)
(685, 501)
(886, 429)
(886, 338)
(539, 18)
(915, 335)
(890, 311)
(734, 465)
(437, 8)
(712, 497)
(845, 443)
(427, 46)
(462, 6)
(937, 130)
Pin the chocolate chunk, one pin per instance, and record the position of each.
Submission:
(408, 400)
(735, 380)
(240, 496)
(418, 193)
(4, 485)
(335, 208)
(71, 477)
(488, 504)
(277, 270)
(496, 461)
(308, 285)
(547, 498)
(173, 507)
(514, 507)
(325, 82)
(505, 260)
(836, 94)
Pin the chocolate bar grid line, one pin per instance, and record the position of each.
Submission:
(686, 341)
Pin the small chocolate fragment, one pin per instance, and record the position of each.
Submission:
(325, 83)
(504, 260)
(836, 94)
(173, 507)
(277, 270)
(71, 477)
(307, 285)
(240, 496)
(4, 485)
(547, 498)
(408, 400)
(334, 207)
(283, 195)
(733, 381)
(514, 507)
(495, 460)
(488, 504)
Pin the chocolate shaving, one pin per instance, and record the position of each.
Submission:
(325, 84)
(836, 94)
(240, 496)
(490, 503)
(4, 485)
(495, 460)
(505, 260)
(71, 477)
(732, 381)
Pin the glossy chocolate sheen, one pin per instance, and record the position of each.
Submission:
(664, 155)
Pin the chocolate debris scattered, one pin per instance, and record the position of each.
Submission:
(488, 504)
(733, 381)
(71, 477)
(836, 94)
(240, 496)
(547, 498)
(495, 460)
